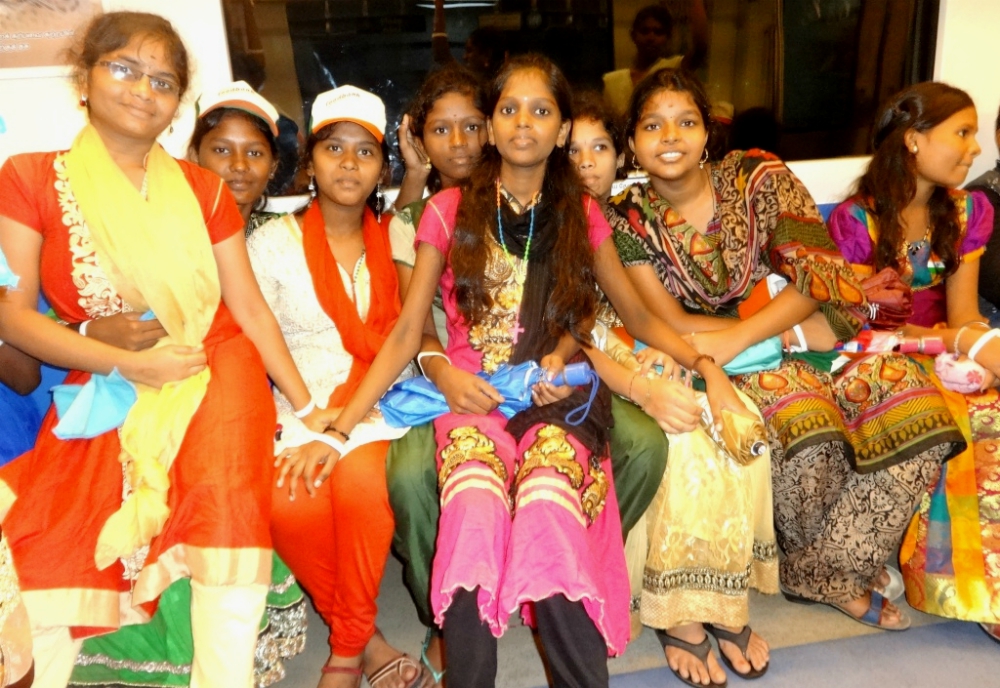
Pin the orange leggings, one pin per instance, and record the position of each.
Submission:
(337, 543)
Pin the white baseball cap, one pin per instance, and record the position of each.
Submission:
(349, 104)
(240, 96)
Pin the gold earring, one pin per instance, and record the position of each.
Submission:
(635, 163)
(704, 159)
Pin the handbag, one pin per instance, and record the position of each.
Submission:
(890, 299)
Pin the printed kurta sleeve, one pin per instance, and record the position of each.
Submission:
(629, 244)
(979, 227)
(799, 247)
(849, 230)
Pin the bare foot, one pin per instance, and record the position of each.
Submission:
(379, 653)
(686, 664)
(342, 679)
(892, 616)
(757, 651)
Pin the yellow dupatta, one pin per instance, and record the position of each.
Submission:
(158, 255)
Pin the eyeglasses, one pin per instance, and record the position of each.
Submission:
(123, 72)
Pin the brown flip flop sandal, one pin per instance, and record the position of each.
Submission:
(699, 650)
(741, 640)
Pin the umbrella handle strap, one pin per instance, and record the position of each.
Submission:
(580, 413)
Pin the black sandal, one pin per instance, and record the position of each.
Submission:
(741, 640)
(700, 651)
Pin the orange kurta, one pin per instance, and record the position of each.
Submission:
(219, 498)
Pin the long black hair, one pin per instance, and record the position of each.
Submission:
(890, 182)
(573, 301)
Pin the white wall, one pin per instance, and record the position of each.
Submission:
(967, 57)
(44, 114)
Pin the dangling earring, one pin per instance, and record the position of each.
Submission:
(379, 202)
(635, 164)
(704, 159)
(83, 101)
(312, 187)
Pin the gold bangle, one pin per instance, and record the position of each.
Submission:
(630, 383)
(699, 358)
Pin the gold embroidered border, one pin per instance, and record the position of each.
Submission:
(551, 449)
(97, 296)
(596, 493)
(696, 578)
(765, 551)
(468, 443)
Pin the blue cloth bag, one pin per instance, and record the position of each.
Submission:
(92, 409)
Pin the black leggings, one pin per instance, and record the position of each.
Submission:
(576, 653)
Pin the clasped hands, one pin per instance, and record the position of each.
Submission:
(313, 461)
(667, 397)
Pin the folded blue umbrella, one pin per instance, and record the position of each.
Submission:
(417, 401)
(86, 411)
(7, 278)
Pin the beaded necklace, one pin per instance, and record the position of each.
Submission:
(519, 268)
(531, 225)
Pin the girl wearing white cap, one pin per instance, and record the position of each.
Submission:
(328, 274)
(236, 137)
(529, 517)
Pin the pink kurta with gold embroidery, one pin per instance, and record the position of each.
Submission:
(519, 519)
